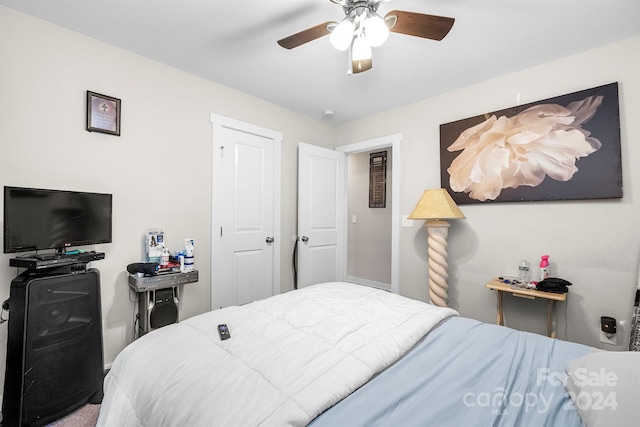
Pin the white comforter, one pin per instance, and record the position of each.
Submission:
(289, 358)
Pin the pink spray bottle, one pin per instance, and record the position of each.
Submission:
(544, 267)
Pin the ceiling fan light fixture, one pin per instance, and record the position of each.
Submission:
(361, 49)
(376, 30)
(360, 55)
(362, 28)
(342, 35)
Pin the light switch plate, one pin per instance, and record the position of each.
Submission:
(406, 222)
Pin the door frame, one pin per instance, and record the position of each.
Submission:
(392, 141)
(218, 123)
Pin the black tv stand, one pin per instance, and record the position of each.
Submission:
(63, 262)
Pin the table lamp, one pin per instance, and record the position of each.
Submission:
(436, 206)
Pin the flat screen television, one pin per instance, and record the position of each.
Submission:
(37, 219)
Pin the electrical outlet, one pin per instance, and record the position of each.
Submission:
(613, 339)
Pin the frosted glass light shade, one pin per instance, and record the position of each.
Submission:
(361, 49)
(376, 30)
(342, 35)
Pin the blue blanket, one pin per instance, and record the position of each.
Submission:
(467, 373)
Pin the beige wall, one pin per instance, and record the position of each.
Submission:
(159, 170)
(594, 244)
(369, 239)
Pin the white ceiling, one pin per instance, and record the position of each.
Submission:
(233, 42)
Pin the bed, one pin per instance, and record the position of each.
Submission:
(339, 354)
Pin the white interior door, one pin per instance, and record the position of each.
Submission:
(321, 215)
(245, 232)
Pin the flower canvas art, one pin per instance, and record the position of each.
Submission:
(562, 148)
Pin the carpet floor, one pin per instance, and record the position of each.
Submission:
(85, 416)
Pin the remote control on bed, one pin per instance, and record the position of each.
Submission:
(223, 331)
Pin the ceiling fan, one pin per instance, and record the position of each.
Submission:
(362, 28)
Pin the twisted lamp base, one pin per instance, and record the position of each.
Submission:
(438, 288)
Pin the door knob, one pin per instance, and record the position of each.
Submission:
(269, 240)
(305, 239)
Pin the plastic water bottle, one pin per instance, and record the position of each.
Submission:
(524, 272)
(544, 267)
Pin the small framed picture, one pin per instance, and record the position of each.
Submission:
(103, 114)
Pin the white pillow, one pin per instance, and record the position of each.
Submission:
(605, 388)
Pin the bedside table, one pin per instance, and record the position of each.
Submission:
(501, 288)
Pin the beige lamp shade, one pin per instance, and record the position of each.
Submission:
(436, 204)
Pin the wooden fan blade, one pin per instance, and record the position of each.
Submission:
(420, 25)
(306, 36)
(361, 65)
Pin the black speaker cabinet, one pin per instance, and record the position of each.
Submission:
(54, 347)
(158, 308)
